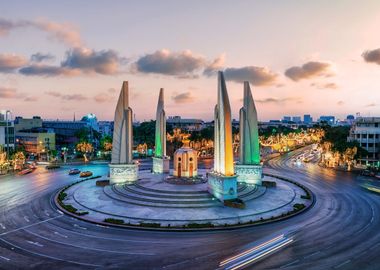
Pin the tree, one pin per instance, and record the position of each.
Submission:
(85, 148)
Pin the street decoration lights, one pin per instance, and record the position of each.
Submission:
(85, 148)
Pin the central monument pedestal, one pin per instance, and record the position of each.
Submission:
(250, 174)
(123, 173)
(161, 165)
(222, 187)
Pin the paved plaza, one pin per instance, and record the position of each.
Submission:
(153, 200)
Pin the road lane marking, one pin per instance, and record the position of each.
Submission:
(35, 243)
(77, 226)
(289, 264)
(47, 256)
(26, 219)
(62, 235)
(46, 213)
(24, 227)
(315, 253)
(89, 248)
(5, 258)
(343, 263)
(2, 226)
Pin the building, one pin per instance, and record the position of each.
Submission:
(286, 119)
(327, 118)
(185, 124)
(31, 136)
(296, 119)
(7, 132)
(37, 142)
(307, 119)
(65, 131)
(366, 131)
(27, 123)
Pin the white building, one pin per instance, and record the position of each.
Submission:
(366, 131)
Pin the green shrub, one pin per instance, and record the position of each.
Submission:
(298, 206)
(114, 221)
(62, 196)
(151, 225)
(269, 184)
(200, 225)
(306, 197)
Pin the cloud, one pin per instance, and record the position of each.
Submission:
(46, 70)
(39, 57)
(77, 62)
(63, 32)
(75, 97)
(6, 92)
(308, 70)
(31, 99)
(103, 97)
(257, 76)
(215, 65)
(330, 85)
(371, 105)
(186, 97)
(278, 100)
(90, 61)
(164, 62)
(372, 56)
(11, 62)
(340, 103)
(53, 93)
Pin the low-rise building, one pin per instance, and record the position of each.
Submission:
(185, 124)
(366, 131)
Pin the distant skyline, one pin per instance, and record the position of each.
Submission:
(301, 57)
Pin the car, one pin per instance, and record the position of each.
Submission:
(74, 171)
(25, 171)
(377, 175)
(85, 174)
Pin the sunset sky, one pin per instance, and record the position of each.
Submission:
(58, 58)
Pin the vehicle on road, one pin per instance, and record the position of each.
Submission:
(85, 174)
(74, 171)
(25, 171)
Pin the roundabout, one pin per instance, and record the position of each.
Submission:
(152, 202)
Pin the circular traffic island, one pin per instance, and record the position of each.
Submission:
(154, 203)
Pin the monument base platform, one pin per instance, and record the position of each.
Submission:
(161, 165)
(249, 174)
(222, 187)
(123, 173)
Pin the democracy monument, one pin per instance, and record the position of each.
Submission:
(187, 196)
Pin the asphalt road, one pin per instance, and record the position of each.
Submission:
(341, 231)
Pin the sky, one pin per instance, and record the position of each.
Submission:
(58, 58)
